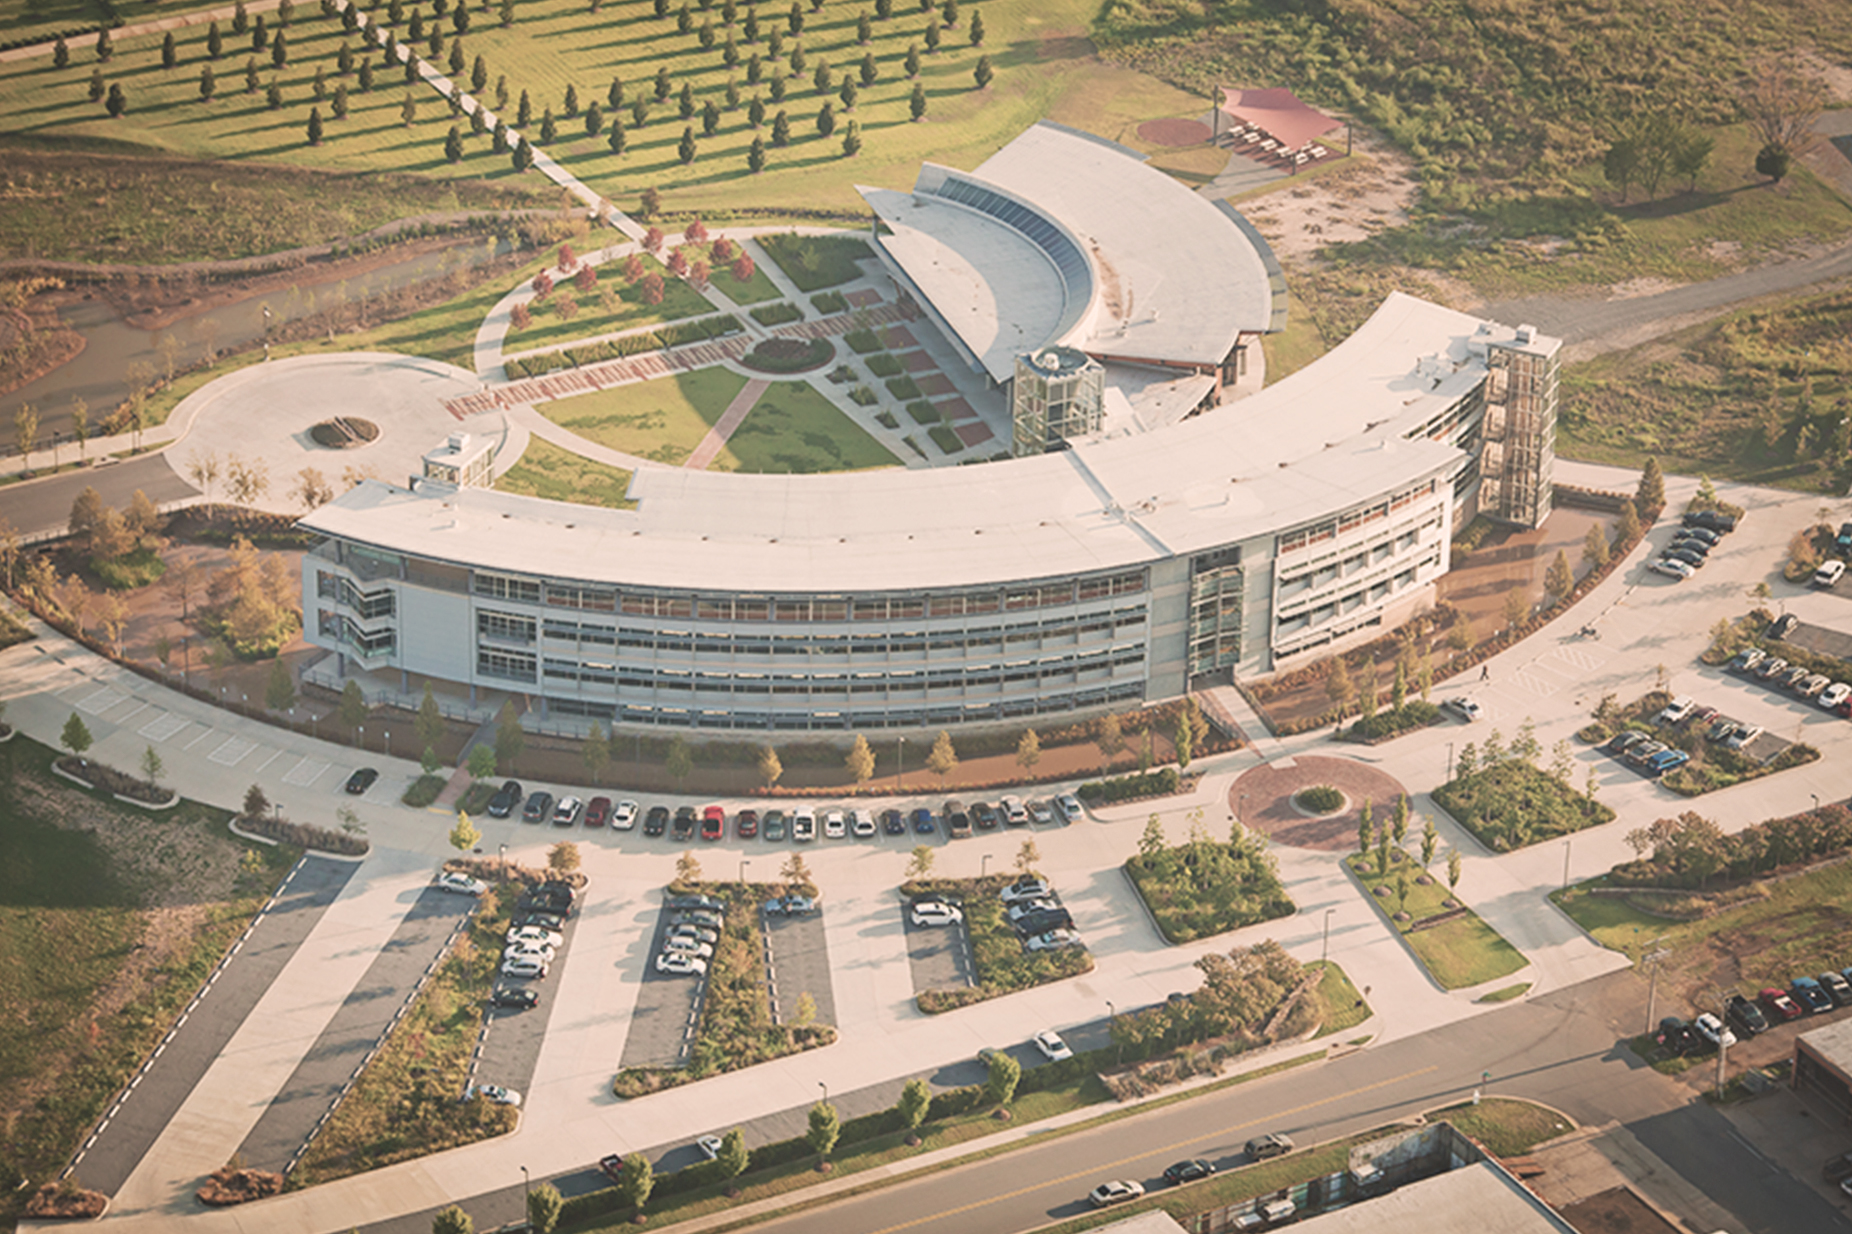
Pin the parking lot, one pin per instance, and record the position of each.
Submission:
(668, 1008)
(512, 1037)
(938, 956)
(798, 963)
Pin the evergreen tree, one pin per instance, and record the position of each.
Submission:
(977, 29)
(849, 93)
(478, 74)
(777, 88)
(684, 101)
(215, 42)
(795, 21)
(279, 51)
(273, 97)
(870, 71)
(1651, 494)
(241, 20)
(755, 111)
(755, 155)
(982, 73)
(344, 60)
(852, 139)
(781, 130)
(408, 110)
(170, 54)
(911, 62)
(105, 46)
(549, 130)
(507, 14)
(453, 145)
(864, 30)
(208, 84)
(826, 119)
(932, 36)
(594, 119)
(824, 78)
(685, 148)
(572, 101)
(614, 97)
(617, 138)
(663, 85)
(524, 156)
(916, 105)
(498, 141)
(710, 118)
(339, 106)
(61, 55)
(118, 102)
(524, 112)
(456, 61)
(366, 76)
(260, 34)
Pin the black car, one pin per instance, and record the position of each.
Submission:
(539, 808)
(1748, 1017)
(519, 998)
(506, 799)
(1687, 543)
(1678, 1037)
(696, 901)
(1619, 743)
(1688, 556)
(984, 816)
(1041, 923)
(553, 923)
(1700, 534)
(553, 899)
(1711, 520)
(894, 822)
(656, 821)
(362, 780)
(685, 823)
(1188, 1171)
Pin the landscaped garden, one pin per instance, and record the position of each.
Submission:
(1202, 886)
(663, 420)
(793, 428)
(545, 470)
(1452, 942)
(1507, 801)
(1003, 965)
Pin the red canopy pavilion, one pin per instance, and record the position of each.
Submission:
(1278, 115)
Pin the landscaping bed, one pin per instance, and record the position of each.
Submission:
(1511, 804)
(1382, 726)
(116, 783)
(1141, 786)
(789, 355)
(1460, 952)
(1205, 887)
(815, 262)
(1003, 967)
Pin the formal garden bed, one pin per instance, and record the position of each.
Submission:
(1204, 887)
(1003, 966)
(737, 1028)
(128, 788)
(1319, 799)
(815, 262)
(1507, 802)
(1379, 726)
(789, 355)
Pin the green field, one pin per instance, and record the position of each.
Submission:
(816, 262)
(663, 420)
(793, 428)
(82, 881)
(547, 471)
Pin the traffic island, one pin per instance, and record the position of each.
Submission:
(1000, 958)
(1453, 943)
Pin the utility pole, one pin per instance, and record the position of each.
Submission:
(1652, 960)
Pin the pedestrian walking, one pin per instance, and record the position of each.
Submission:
(1485, 672)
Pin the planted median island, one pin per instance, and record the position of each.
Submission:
(1204, 886)
(1500, 794)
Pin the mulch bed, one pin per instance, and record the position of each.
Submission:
(1174, 132)
(1268, 805)
(1618, 1211)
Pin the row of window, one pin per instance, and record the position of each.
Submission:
(1367, 556)
(823, 719)
(508, 627)
(1351, 520)
(1350, 602)
(1015, 674)
(895, 643)
(345, 630)
(340, 589)
(810, 609)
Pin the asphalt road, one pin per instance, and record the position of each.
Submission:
(355, 1030)
(661, 1024)
(193, 1046)
(45, 505)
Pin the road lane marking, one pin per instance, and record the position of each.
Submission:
(1173, 1147)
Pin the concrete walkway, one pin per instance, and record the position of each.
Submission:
(730, 419)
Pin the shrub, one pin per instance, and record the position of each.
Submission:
(816, 262)
(882, 364)
(1319, 799)
(943, 437)
(305, 835)
(1156, 783)
(1511, 804)
(902, 388)
(1393, 722)
(864, 396)
(776, 314)
(861, 342)
(424, 791)
(923, 412)
(1205, 887)
(829, 302)
(788, 355)
(886, 420)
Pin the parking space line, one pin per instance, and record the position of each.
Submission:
(163, 726)
(204, 733)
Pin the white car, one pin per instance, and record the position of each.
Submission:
(1052, 1047)
(1025, 889)
(862, 823)
(677, 965)
(493, 1092)
(936, 913)
(709, 1146)
(1040, 814)
(1829, 574)
(1028, 908)
(538, 951)
(1465, 708)
(1714, 1031)
(1834, 695)
(624, 817)
(688, 929)
(835, 825)
(1672, 569)
(536, 935)
(1014, 812)
(682, 944)
(1069, 805)
(462, 884)
(523, 966)
(568, 812)
(1053, 940)
(1117, 1192)
(1676, 711)
(1744, 734)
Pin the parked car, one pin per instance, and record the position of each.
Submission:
(1188, 1171)
(1118, 1191)
(539, 951)
(1052, 940)
(1697, 535)
(1746, 1015)
(713, 824)
(935, 913)
(657, 821)
(957, 822)
(1746, 660)
(1465, 708)
(862, 824)
(1041, 813)
(684, 944)
(1052, 1047)
(1744, 734)
(1675, 712)
(1808, 994)
(506, 800)
(1688, 554)
(1768, 666)
(1842, 543)
(1829, 573)
(492, 1092)
(1814, 686)
(1273, 1144)
(705, 903)
(361, 780)
(671, 964)
(683, 828)
(1044, 923)
(701, 934)
(984, 816)
(1793, 676)
(1715, 1033)
(517, 998)
(1025, 888)
(894, 822)
(1835, 694)
(1020, 909)
(597, 811)
(524, 966)
(803, 825)
(1711, 520)
(1676, 1036)
(835, 824)
(1721, 728)
(535, 934)
(1666, 760)
(710, 1146)
(624, 815)
(1015, 812)
(746, 824)
(1641, 752)
(1780, 1007)
(1672, 569)
(923, 824)
(566, 813)
(776, 828)
(790, 906)
(706, 919)
(1620, 743)
(1069, 805)
(538, 808)
(462, 884)
(1837, 988)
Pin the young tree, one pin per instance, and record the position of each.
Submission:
(685, 148)
(429, 724)
(170, 52)
(1453, 870)
(1183, 737)
(770, 769)
(915, 1101)
(919, 865)
(1108, 737)
(1366, 830)
(510, 740)
(1429, 838)
(860, 760)
(452, 1220)
(255, 801)
(680, 762)
(279, 687)
(1595, 548)
(481, 762)
(152, 767)
(1028, 750)
(1559, 579)
(911, 63)
(1651, 494)
(563, 858)
(852, 139)
(636, 1180)
(61, 54)
(977, 29)
(781, 130)
(796, 877)
(105, 46)
(543, 1202)
(733, 1157)
(1028, 857)
(983, 74)
(596, 751)
(1338, 685)
(1517, 607)
(465, 835)
(1398, 826)
(1151, 844)
(1004, 1074)
(453, 145)
(76, 736)
(943, 759)
(825, 1128)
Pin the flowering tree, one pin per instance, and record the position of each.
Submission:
(696, 232)
(652, 239)
(543, 284)
(652, 288)
(567, 258)
(678, 264)
(633, 268)
(722, 251)
(698, 273)
(743, 269)
(566, 306)
(520, 318)
(586, 278)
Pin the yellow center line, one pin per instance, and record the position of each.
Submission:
(1148, 1152)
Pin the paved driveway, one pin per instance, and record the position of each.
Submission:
(45, 505)
(667, 1012)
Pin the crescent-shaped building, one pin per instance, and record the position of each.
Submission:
(1180, 540)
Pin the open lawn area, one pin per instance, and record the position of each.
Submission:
(1458, 953)
(23, 21)
(137, 907)
(793, 428)
(816, 262)
(547, 471)
(663, 420)
(1042, 62)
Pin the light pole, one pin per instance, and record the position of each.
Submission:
(526, 1196)
(984, 869)
(1651, 959)
(1241, 808)
(1324, 948)
(744, 862)
(1816, 800)
(1565, 865)
(278, 806)
(826, 1091)
(1449, 776)
(900, 762)
(1112, 1018)
(502, 860)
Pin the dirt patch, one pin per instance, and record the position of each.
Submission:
(1633, 289)
(1618, 1211)
(1369, 192)
(33, 341)
(1174, 132)
(1262, 799)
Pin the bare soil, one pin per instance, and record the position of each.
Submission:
(1618, 1211)
(1372, 191)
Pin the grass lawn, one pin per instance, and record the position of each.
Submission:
(662, 420)
(36, 20)
(1802, 925)
(405, 1103)
(1344, 1006)
(755, 290)
(610, 307)
(1459, 953)
(1507, 994)
(137, 907)
(1293, 348)
(816, 262)
(1507, 1128)
(547, 471)
(793, 428)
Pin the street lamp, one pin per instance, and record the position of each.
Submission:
(1241, 807)
(984, 869)
(744, 862)
(1449, 776)
(278, 806)
(1112, 1017)
(1324, 948)
(1816, 800)
(1565, 865)
(526, 1196)
(826, 1091)
(900, 762)
(501, 859)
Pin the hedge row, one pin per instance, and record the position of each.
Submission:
(674, 334)
(777, 314)
(1394, 721)
(829, 302)
(305, 835)
(1156, 783)
(861, 342)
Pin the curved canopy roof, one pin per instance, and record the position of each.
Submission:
(1278, 112)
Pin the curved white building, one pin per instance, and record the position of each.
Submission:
(1124, 569)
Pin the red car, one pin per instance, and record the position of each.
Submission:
(598, 812)
(746, 822)
(713, 823)
(1779, 1004)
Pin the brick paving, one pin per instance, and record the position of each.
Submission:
(863, 298)
(935, 383)
(896, 338)
(973, 433)
(1262, 799)
(917, 362)
(955, 408)
(568, 382)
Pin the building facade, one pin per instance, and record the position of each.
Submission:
(1056, 395)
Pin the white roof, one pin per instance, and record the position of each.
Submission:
(1155, 272)
(1473, 1199)
(1321, 440)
